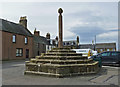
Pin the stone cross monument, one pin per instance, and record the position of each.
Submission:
(60, 42)
(61, 62)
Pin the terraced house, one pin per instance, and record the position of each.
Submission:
(40, 43)
(17, 40)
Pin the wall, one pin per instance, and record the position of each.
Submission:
(9, 48)
(100, 47)
(41, 49)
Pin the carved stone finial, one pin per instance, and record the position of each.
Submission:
(35, 29)
(60, 10)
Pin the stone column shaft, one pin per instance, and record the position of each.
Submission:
(60, 42)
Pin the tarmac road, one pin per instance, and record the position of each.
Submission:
(13, 74)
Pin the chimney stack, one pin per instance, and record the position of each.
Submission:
(23, 21)
(56, 38)
(77, 39)
(48, 35)
(36, 33)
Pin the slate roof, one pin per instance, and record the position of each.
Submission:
(40, 39)
(13, 28)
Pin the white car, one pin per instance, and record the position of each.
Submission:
(85, 51)
(94, 52)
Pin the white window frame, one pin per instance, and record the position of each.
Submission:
(14, 38)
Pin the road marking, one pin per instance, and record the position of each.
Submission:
(104, 78)
(18, 65)
(111, 67)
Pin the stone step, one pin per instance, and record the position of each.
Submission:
(63, 54)
(63, 57)
(62, 51)
(62, 70)
(61, 61)
(57, 75)
(61, 66)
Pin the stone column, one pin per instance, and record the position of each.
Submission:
(60, 42)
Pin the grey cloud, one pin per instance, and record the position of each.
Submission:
(87, 15)
(87, 33)
(80, 13)
(93, 16)
(114, 30)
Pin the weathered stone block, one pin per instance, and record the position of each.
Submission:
(61, 65)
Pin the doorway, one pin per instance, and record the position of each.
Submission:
(27, 53)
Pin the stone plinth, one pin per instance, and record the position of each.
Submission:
(61, 62)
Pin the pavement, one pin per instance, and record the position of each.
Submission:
(13, 74)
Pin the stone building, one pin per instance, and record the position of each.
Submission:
(99, 47)
(17, 40)
(73, 44)
(51, 43)
(40, 43)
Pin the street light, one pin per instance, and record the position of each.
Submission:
(92, 44)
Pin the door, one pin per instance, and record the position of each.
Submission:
(106, 58)
(38, 53)
(115, 56)
(27, 53)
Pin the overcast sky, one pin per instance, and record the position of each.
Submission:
(83, 19)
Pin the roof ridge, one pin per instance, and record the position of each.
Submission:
(13, 27)
(9, 21)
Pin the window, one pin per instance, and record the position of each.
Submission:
(73, 43)
(14, 38)
(38, 46)
(51, 42)
(113, 49)
(108, 49)
(38, 53)
(106, 54)
(67, 43)
(56, 42)
(101, 50)
(26, 40)
(114, 54)
(19, 52)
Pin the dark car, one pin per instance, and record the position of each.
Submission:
(97, 58)
(109, 58)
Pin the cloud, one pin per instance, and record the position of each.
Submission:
(111, 36)
(83, 19)
(87, 33)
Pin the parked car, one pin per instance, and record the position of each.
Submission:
(94, 52)
(97, 58)
(108, 58)
(85, 51)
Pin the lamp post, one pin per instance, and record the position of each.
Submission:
(92, 44)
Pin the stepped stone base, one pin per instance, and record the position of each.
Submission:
(61, 62)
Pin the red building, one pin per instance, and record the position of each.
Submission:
(17, 40)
